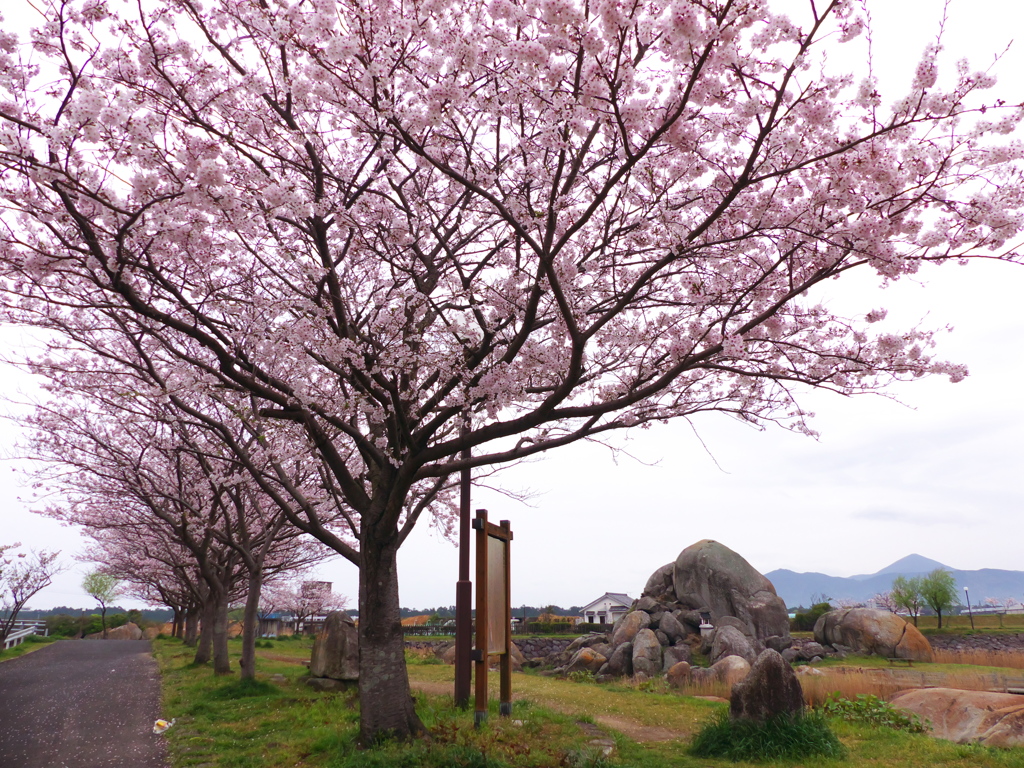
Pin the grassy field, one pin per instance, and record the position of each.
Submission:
(279, 723)
(31, 643)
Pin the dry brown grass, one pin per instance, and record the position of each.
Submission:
(981, 658)
(849, 682)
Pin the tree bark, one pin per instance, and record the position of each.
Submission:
(176, 628)
(385, 701)
(221, 661)
(250, 626)
(204, 647)
(191, 635)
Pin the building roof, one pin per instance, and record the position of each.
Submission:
(617, 597)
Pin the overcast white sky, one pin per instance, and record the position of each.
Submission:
(939, 475)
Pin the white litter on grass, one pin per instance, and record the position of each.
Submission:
(161, 725)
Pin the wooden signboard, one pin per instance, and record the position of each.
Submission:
(493, 611)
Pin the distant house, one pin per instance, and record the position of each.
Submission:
(607, 608)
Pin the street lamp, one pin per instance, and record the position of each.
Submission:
(969, 611)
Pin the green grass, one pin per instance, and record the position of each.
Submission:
(31, 643)
(783, 737)
(280, 723)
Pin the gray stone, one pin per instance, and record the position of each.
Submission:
(729, 641)
(662, 637)
(809, 650)
(646, 654)
(674, 654)
(620, 663)
(660, 586)
(709, 576)
(791, 654)
(603, 648)
(586, 641)
(778, 643)
(625, 628)
(670, 625)
(336, 649)
(646, 604)
(707, 639)
(769, 690)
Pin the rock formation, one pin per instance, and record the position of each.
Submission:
(336, 649)
(709, 576)
(769, 690)
(968, 717)
(129, 631)
(663, 626)
(867, 630)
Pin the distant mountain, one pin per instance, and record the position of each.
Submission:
(803, 588)
(911, 564)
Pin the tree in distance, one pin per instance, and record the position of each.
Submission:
(906, 594)
(938, 591)
(452, 236)
(22, 576)
(103, 588)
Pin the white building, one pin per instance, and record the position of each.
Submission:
(607, 608)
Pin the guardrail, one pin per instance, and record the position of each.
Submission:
(23, 629)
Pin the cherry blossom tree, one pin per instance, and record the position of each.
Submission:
(411, 230)
(130, 463)
(306, 599)
(22, 576)
(886, 601)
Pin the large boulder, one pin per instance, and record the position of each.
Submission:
(620, 663)
(627, 626)
(672, 627)
(674, 654)
(646, 654)
(585, 660)
(709, 576)
(967, 717)
(729, 641)
(336, 649)
(730, 670)
(129, 631)
(868, 630)
(770, 689)
(659, 585)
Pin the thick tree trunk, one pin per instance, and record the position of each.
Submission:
(204, 648)
(176, 628)
(221, 662)
(385, 702)
(191, 627)
(250, 626)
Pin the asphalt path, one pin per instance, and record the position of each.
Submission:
(81, 704)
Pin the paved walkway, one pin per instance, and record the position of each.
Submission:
(81, 704)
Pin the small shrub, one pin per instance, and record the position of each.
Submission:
(872, 710)
(781, 738)
(580, 676)
(588, 757)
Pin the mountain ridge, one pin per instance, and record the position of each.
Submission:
(800, 589)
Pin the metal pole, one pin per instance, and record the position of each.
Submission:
(464, 590)
(969, 611)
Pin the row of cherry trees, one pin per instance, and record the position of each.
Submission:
(359, 247)
(172, 513)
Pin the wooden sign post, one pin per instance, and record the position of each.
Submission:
(493, 611)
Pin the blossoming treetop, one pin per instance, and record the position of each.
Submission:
(545, 219)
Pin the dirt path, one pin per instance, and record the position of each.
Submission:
(631, 728)
(81, 704)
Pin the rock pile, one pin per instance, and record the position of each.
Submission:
(872, 631)
(663, 628)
